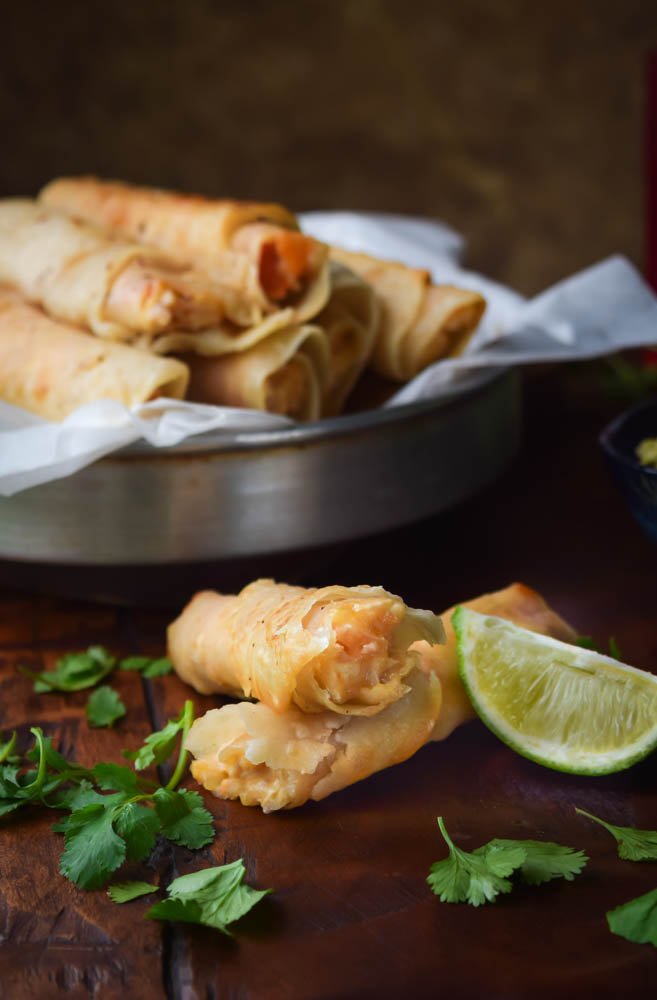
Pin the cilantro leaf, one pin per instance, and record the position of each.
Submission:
(158, 668)
(124, 892)
(544, 860)
(633, 845)
(475, 878)
(158, 746)
(54, 761)
(635, 920)
(74, 671)
(17, 789)
(104, 707)
(481, 875)
(134, 663)
(215, 897)
(146, 666)
(75, 798)
(116, 778)
(184, 818)
(139, 827)
(93, 850)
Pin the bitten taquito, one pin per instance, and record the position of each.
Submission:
(346, 649)
(280, 759)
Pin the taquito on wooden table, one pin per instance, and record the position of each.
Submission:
(51, 368)
(279, 760)
(420, 322)
(285, 267)
(347, 649)
(81, 275)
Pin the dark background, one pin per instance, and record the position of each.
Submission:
(518, 123)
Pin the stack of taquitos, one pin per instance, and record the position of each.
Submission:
(258, 241)
(255, 249)
(51, 368)
(417, 322)
(349, 682)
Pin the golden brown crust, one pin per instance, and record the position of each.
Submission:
(342, 648)
(50, 368)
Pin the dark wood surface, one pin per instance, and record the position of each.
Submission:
(351, 915)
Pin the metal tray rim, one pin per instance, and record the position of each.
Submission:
(319, 430)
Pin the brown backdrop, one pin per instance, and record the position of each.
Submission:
(518, 123)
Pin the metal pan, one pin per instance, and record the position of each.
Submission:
(266, 493)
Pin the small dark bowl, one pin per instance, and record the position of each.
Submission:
(637, 483)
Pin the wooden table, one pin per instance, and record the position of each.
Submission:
(351, 915)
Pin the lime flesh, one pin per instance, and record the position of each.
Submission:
(562, 706)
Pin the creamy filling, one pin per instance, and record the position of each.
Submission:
(261, 757)
(362, 666)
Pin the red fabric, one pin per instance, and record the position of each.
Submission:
(651, 170)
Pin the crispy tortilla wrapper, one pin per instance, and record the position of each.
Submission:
(303, 372)
(346, 649)
(255, 245)
(280, 760)
(420, 322)
(51, 368)
(350, 321)
(80, 275)
(284, 373)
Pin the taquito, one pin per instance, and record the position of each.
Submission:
(80, 275)
(349, 320)
(286, 267)
(51, 368)
(279, 760)
(420, 322)
(284, 373)
(346, 649)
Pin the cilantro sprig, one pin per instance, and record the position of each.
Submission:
(633, 845)
(74, 671)
(78, 671)
(635, 920)
(146, 666)
(113, 813)
(214, 897)
(480, 876)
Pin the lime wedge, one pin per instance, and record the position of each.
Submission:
(562, 706)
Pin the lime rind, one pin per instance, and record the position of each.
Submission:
(567, 708)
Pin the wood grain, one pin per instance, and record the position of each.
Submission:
(57, 939)
(351, 915)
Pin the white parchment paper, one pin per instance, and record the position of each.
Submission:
(606, 308)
